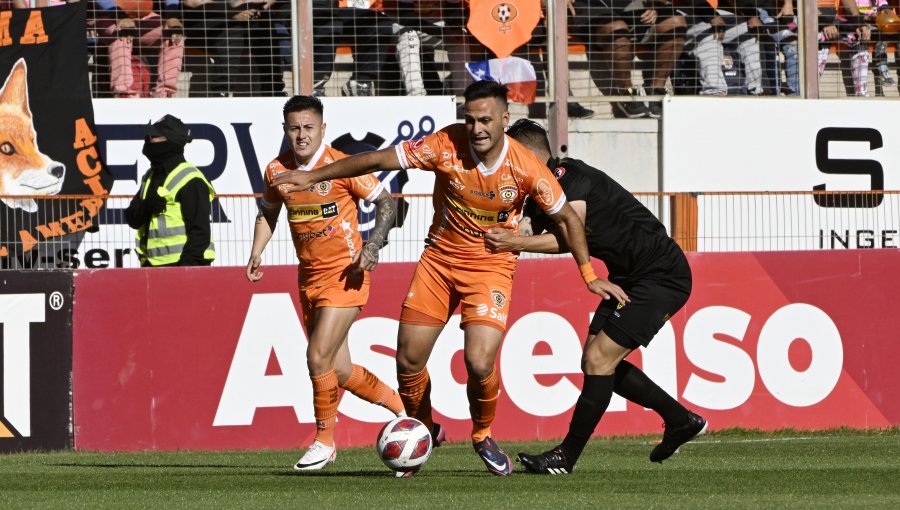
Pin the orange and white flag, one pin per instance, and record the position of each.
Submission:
(503, 26)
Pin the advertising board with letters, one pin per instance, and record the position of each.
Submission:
(764, 342)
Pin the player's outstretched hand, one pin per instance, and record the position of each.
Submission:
(253, 272)
(498, 240)
(295, 180)
(608, 290)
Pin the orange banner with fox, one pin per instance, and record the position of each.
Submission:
(48, 142)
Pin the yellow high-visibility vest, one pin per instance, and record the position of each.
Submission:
(165, 234)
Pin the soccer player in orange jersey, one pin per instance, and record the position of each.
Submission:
(481, 180)
(333, 278)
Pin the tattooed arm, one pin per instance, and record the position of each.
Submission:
(385, 215)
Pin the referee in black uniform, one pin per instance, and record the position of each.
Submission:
(646, 263)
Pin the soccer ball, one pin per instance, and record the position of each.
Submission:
(404, 444)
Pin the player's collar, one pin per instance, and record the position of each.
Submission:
(313, 161)
(481, 166)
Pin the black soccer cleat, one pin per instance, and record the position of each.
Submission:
(552, 462)
(674, 437)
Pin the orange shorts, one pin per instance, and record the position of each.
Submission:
(440, 284)
(332, 290)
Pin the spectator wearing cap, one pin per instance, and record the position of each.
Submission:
(171, 211)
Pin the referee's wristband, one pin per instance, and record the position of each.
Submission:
(587, 272)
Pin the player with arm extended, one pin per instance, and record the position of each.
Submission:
(333, 268)
(645, 262)
(481, 180)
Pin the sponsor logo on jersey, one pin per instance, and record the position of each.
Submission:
(323, 187)
(545, 191)
(490, 195)
(367, 181)
(415, 144)
(498, 297)
(508, 193)
(305, 237)
(458, 186)
(480, 216)
(311, 212)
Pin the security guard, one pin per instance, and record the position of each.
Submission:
(171, 211)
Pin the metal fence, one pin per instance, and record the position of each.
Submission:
(708, 222)
(219, 48)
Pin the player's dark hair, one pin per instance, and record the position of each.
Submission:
(486, 88)
(530, 133)
(300, 103)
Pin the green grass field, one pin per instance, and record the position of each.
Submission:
(734, 469)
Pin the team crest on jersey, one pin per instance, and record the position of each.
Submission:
(508, 193)
(559, 172)
(545, 191)
(498, 298)
(323, 187)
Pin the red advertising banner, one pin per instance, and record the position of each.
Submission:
(199, 358)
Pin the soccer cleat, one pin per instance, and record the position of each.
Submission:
(318, 456)
(553, 462)
(630, 109)
(654, 109)
(674, 437)
(494, 458)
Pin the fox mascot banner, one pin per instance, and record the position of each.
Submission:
(48, 142)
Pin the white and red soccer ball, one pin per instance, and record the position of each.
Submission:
(404, 444)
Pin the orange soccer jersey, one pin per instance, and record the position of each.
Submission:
(470, 198)
(322, 219)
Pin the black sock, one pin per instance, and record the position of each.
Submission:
(634, 385)
(656, 92)
(591, 405)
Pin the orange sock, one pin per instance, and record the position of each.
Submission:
(325, 404)
(482, 404)
(369, 387)
(415, 391)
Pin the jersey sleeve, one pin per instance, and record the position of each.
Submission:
(422, 153)
(366, 187)
(271, 197)
(546, 191)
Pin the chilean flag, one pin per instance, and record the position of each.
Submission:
(516, 73)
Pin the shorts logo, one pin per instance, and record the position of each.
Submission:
(482, 309)
(498, 298)
(620, 306)
(302, 213)
(508, 193)
(323, 187)
(559, 172)
(666, 317)
(545, 191)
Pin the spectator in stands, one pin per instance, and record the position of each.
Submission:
(238, 29)
(737, 24)
(171, 210)
(883, 16)
(424, 27)
(617, 31)
(136, 39)
(360, 24)
(841, 22)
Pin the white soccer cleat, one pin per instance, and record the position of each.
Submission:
(318, 456)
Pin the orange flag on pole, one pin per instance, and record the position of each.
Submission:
(503, 26)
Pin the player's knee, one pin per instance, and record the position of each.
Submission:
(595, 362)
(480, 367)
(408, 363)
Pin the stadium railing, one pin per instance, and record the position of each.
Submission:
(708, 222)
